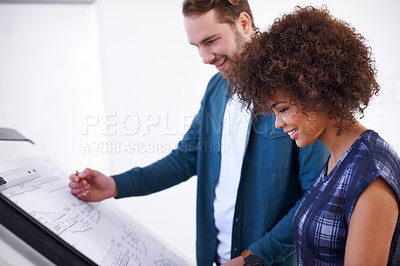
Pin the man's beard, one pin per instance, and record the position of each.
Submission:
(240, 42)
(225, 73)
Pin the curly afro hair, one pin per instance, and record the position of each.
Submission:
(310, 57)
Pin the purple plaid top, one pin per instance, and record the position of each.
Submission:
(320, 225)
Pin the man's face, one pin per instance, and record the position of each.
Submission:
(218, 43)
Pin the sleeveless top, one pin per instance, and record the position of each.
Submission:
(320, 224)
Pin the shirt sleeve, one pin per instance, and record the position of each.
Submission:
(173, 169)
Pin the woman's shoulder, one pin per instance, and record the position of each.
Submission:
(378, 150)
(379, 156)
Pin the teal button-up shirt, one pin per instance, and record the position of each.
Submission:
(275, 175)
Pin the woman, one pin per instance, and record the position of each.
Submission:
(317, 75)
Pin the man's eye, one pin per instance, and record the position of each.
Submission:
(211, 41)
(282, 110)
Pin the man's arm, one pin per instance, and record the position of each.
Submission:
(178, 166)
(277, 244)
(173, 169)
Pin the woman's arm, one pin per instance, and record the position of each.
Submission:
(372, 225)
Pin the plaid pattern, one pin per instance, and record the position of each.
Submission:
(322, 219)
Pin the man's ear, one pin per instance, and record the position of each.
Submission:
(245, 24)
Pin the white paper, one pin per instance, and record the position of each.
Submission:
(97, 230)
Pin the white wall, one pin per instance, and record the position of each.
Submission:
(50, 77)
(115, 84)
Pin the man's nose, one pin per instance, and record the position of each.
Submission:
(206, 55)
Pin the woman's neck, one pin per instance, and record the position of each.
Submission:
(338, 145)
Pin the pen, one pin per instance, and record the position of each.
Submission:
(80, 181)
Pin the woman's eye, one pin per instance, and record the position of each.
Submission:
(282, 110)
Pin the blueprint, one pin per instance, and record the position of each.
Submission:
(98, 230)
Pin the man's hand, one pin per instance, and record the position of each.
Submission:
(97, 185)
(238, 261)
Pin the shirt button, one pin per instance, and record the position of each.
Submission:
(218, 153)
(213, 181)
(235, 249)
(213, 236)
(236, 220)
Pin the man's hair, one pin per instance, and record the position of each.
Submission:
(227, 10)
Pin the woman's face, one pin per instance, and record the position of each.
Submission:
(302, 127)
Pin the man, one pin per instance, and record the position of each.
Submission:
(251, 177)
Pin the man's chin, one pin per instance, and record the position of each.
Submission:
(224, 73)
